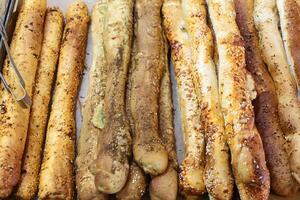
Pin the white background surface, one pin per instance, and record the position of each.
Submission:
(63, 5)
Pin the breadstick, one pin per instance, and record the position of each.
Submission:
(218, 178)
(56, 177)
(111, 167)
(92, 111)
(266, 104)
(25, 50)
(289, 13)
(266, 21)
(148, 149)
(53, 29)
(247, 153)
(164, 186)
(191, 177)
(136, 184)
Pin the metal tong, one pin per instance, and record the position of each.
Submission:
(24, 98)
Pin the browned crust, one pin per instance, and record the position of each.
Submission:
(191, 175)
(57, 171)
(218, 177)
(45, 77)
(90, 129)
(112, 164)
(293, 28)
(247, 154)
(165, 186)
(25, 50)
(254, 62)
(147, 73)
(266, 104)
(136, 182)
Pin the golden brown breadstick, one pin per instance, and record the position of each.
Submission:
(266, 104)
(247, 153)
(25, 50)
(165, 186)
(289, 13)
(271, 45)
(56, 176)
(53, 29)
(92, 111)
(191, 177)
(111, 167)
(147, 72)
(218, 178)
(136, 184)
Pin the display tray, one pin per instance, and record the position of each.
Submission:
(63, 5)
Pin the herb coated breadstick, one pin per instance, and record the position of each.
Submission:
(289, 13)
(53, 30)
(111, 167)
(265, 104)
(56, 179)
(191, 177)
(25, 50)
(147, 72)
(92, 111)
(247, 153)
(274, 55)
(137, 182)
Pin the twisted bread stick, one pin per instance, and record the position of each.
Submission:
(266, 104)
(218, 179)
(247, 154)
(266, 21)
(191, 177)
(289, 13)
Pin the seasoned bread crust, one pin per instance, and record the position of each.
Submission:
(218, 178)
(265, 104)
(111, 168)
(247, 154)
(271, 45)
(57, 171)
(25, 49)
(191, 175)
(53, 29)
(165, 186)
(289, 13)
(92, 117)
(147, 72)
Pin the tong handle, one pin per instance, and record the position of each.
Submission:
(24, 98)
